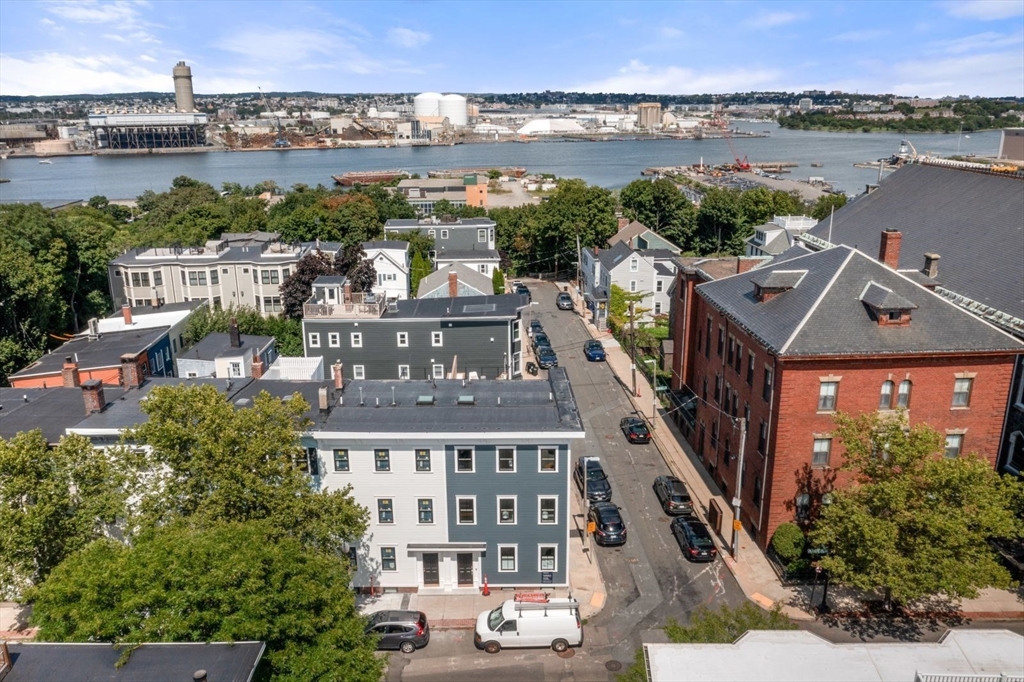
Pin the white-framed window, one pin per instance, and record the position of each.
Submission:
(357, 339)
(507, 510)
(632, 285)
(444, 234)
(657, 307)
(385, 510)
(403, 339)
(438, 371)
(334, 339)
(962, 392)
(885, 396)
(388, 560)
(465, 511)
(423, 459)
(314, 340)
(465, 460)
(403, 371)
(507, 558)
(515, 331)
(431, 233)
(547, 460)
(903, 397)
(341, 462)
(506, 460)
(425, 510)
(954, 444)
(659, 285)
(382, 459)
(481, 236)
(358, 371)
(634, 265)
(436, 339)
(822, 452)
(827, 393)
(547, 556)
(547, 510)
(483, 268)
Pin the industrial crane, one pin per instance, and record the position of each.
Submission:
(281, 141)
(743, 165)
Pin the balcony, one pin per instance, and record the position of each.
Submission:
(353, 306)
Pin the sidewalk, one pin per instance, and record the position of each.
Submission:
(752, 570)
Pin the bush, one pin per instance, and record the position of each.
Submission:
(789, 542)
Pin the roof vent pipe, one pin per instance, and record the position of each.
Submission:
(378, 402)
(499, 401)
(551, 396)
(393, 402)
(361, 396)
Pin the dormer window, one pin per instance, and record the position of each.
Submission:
(886, 307)
(768, 285)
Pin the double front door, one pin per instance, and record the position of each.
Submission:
(432, 572)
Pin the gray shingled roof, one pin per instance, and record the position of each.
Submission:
(386, 244)
(778, 278)
(611, 257)
(823, 314)
(51, 410)
(467, 276)
(218, 344)
(974, 221)
(882, 298)
(105, 351)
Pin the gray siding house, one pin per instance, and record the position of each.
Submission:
(432, 338)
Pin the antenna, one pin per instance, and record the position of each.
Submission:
(830, 217)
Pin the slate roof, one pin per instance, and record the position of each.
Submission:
(105, 351)
(664, 269)
(974, 221)
(778, 278)
(613, 256)
(467, 276)
(386, 244)
(823, 314)
(663, 254)
(533, 406)
(45, 662)
(218, 345)
(51, 410)
(463, 307)
(881, 298)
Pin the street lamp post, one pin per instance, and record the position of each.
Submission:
(654, 390)
(736, 524)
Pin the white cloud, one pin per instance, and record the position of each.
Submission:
(674, 80)
(407, 38)
(670, 32)
(993, 74)
(771, 19)
(861, 36)
(981, 41)
(985, 10)
(146, 58)
(47, 22)
(93, 12)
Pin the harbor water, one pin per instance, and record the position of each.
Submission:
(611, 164)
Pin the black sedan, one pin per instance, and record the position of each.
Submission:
(609, 528)
(591, 479)
(540, 339)
(535, 326)
(635, 430)
(694, 539)
(546, 358)
(594, 351)
(524, 290)
(672, 495)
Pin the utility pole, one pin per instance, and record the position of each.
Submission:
(736, 501)
(579, 258)
(632, 343)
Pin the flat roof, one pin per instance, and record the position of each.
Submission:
(218, 345)
(798, 656)
(146, 318)
(104, 351)
(462, 307)
(51, 410)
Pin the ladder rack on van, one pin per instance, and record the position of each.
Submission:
(534, 597)
(560, 606)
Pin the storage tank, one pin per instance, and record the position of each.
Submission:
(454, 107)
(426, 104)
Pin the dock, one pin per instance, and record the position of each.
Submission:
(367, 177)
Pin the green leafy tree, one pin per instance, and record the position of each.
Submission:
(575, 209)
(188, 214)
(719, 223)
(443, 208)
(287, 333)
(418, 242)
(53, 502)
(788, 541)
(419, 269)
(389, 204)
(824, 206)
(297, 289)
(913, 522)
(663, 208)
(498, 281)
(225, 582)
(210, 462)
(722, 626)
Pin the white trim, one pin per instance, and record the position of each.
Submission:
(358, 372)
(515, 559)
(356, 339)
(436, 339)
(394, 558)
(377, 520)
(433, 517)
(437, 371)
(541, 470)
(472, 460)
(402, 343)
(540, 516)
(314, 339)
(541, 438)
(540, 565)
(458, 515)
(497, 459)
(403, 372)
(334, 339)
(416, 460)
(515, 510)
(817, 302)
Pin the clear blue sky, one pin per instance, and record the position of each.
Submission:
(973, 47)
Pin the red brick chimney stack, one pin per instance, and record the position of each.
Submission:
(889, 251)
(339, 378)
(92, 394)
(131, 373)
(257, 366)
(69, 373)
(236, 339)
(453, 284)
(126, 310)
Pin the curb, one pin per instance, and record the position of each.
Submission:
(454, 624)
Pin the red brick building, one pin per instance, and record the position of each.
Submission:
(786, 345)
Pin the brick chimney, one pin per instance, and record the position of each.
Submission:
(745, 264)
(257, 366)
(597, 251)
(322, 399)
(623, 222)
(69, 373)
(126, 310)
(453, 284)
(131, 373)
(347, 292)
(889, 251)
(236, 339)
(339, 378)
(931, 265)
(92, 394)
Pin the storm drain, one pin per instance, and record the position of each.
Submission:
(613, 666)
(568, 653)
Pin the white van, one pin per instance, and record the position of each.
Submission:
(515, 624)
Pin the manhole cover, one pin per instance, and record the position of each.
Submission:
(613, 666)
(632, 560)
(609, 437)
(568, 653)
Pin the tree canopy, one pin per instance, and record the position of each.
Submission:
(913, 522)
(53, 502)
(660, 206)
(223, 582)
